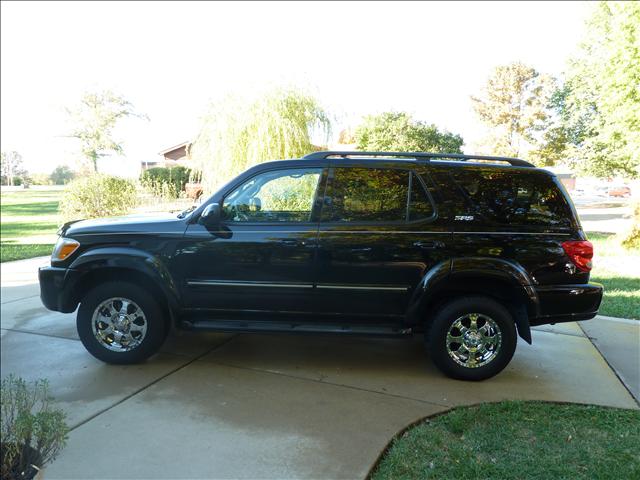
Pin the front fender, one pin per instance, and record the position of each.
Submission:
(130, 259)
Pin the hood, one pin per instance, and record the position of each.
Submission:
(138, 223)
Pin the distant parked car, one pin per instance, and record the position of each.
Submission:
(620, 191)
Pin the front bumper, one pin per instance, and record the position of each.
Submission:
(57, 288)
(567, 303)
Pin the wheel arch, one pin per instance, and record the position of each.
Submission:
(505, 282)
(122, 264)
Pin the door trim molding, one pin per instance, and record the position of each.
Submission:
(226, 283)
(361, 287)
(322, 286)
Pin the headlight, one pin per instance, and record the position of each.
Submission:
(63, 249)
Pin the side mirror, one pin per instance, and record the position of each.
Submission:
(211, 214)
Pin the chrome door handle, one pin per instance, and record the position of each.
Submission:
(428, 245)
(290, 242)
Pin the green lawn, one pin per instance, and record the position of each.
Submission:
(29, 221)
(518, 440)
(617, 269)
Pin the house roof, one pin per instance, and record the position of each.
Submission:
(175, 147)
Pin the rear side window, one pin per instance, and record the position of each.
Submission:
(505, 198)
(375, 195)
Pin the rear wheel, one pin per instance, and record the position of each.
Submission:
(121, 323)
(472, 338)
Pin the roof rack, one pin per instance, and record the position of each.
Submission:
(516, 162)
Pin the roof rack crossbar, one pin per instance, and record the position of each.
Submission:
(422, 155)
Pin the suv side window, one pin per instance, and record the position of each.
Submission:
(274, 196)
(513, 198)
(376, 195)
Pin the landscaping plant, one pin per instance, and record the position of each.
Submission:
(33, 432)
(631, 239)
(166, 182)
(97, 196)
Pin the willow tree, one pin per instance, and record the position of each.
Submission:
(237, 133)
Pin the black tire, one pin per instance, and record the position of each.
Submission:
(156, 330)
(456, 309)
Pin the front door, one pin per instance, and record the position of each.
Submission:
(379, 234)
(261, 257)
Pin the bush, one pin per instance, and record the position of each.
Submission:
(40, 179)
(631, 239)
(32, 432)
(166, 182)
(62, 175)
(97, 196)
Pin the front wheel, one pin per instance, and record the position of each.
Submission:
(120, 323)
(472, 338)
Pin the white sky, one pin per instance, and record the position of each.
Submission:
(170, 59)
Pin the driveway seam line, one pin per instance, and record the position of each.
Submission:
(351, 387)
(615, 372)
(18, 299)
(28, 332)
(559, 333)
(162, 377)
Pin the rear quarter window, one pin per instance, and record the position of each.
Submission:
(514, 199)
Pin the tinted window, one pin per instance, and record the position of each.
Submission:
(375, 195)
(419, 204)
(514, 199)
(275, 196)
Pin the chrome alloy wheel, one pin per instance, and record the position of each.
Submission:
(474, 340)
(119, 324)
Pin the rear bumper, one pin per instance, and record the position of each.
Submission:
(567, 303)
(56, 288)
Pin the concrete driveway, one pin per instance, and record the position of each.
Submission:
(264, 406)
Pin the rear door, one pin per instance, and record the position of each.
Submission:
(379, 233)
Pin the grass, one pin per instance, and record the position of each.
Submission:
(617, 269)
(517, 440)
(29, 221)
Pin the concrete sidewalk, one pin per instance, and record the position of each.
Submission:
(618, 340)
(264, 406)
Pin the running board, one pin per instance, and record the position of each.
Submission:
(295, 327)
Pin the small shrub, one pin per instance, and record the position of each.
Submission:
(33, 432)
(40, 179)
(97, 196)
(62, 175)
(166, 182)
(631, 239)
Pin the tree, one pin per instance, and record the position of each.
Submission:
(397, 131)
(516, 106)
(94, 121)
(12, 168)
(237, 133)
(600, 101)
(62, 175)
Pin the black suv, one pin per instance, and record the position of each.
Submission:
(463, 249)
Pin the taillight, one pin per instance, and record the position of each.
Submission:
(580, 252)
